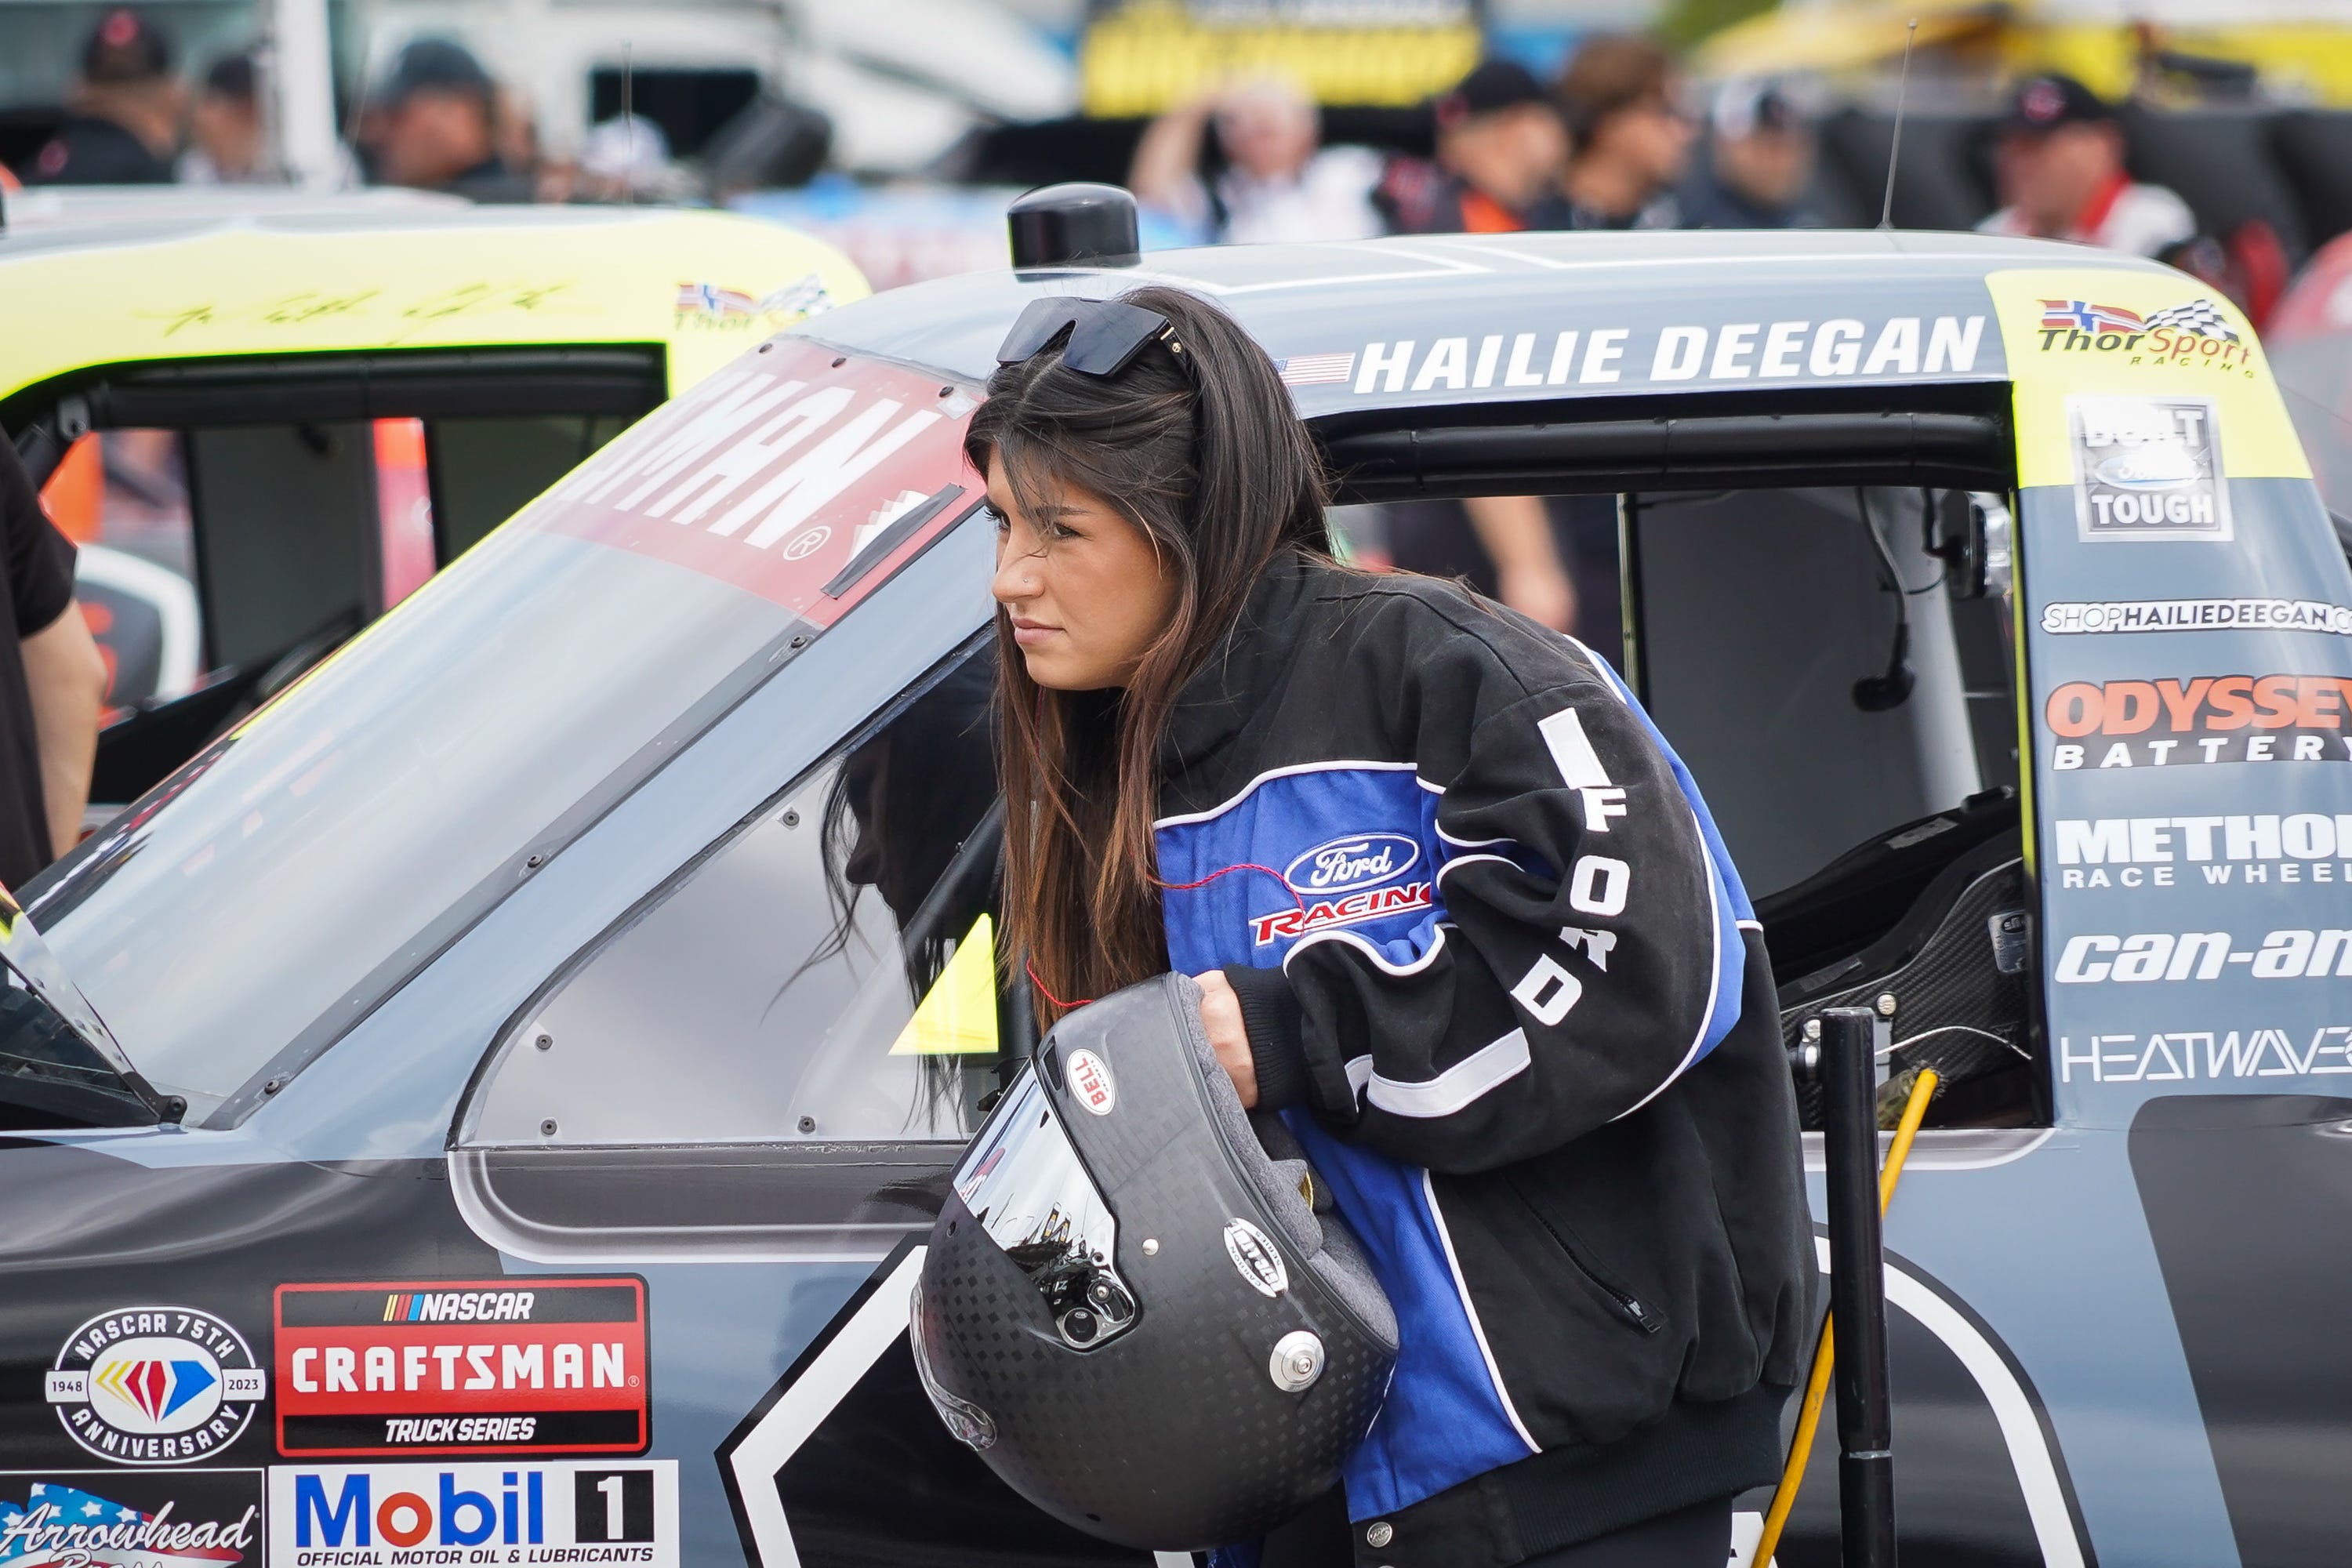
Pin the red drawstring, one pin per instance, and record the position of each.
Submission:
(1170, 888)
(1056, 1001)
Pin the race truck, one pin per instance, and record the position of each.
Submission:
(489, 1106)
(264, 418)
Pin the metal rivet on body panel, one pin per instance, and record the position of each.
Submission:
(1887, 1003)
(1150, 1247)
(1379, 1534)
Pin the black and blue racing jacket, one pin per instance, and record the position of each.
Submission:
(1502, 980)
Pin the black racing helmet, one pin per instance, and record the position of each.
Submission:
(1133, 1311)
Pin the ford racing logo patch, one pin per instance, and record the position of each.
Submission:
(155, 1385)
(1354, 862)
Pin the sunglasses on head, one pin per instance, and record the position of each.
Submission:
(1104, 334)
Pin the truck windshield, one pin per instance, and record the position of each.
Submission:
(301, 868)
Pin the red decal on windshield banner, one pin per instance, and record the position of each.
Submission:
(525, 1365)
(800, 474)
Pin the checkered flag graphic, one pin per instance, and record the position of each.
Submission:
(2199, 316)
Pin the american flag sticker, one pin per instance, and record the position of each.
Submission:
(1317, 370)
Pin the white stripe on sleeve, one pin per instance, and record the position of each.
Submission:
(1457, 1085)
(1571, 753)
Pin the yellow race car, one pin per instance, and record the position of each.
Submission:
(264, 426)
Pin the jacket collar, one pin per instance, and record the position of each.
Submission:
(1244, 670)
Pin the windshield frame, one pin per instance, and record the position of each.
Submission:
(67, 884)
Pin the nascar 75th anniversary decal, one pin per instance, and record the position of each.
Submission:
(155, 1385)
(484, 1367)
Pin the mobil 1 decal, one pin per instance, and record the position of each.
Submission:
(526, 1365)
(496, 1511)
(131, 1518)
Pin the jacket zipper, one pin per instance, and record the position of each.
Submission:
(1632, 1307)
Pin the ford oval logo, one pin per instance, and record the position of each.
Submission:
(1356, 862)
(2149, 469)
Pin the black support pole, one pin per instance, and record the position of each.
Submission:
(1857, 1290)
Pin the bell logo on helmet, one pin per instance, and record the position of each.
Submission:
(1090, 1082)
(1254, 1259)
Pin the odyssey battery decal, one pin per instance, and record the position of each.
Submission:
(495, 1366)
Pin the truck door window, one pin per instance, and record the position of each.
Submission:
(825, 973)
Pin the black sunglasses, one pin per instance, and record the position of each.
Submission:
(1104, 334)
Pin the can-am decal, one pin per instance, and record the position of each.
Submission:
(2080, 618)
(1791, 350)
(2094, 958)
(1254, 1259)
(151, 1518)
(387, 1516)
(2147, 467)
(2199, 719)
(155, 1385)
(539, 1366)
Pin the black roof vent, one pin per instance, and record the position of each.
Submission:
(1074, 224)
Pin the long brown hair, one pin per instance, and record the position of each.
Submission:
(1200, 449)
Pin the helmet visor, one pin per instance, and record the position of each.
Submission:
(1025, 1183)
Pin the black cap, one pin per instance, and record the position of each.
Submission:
(1491, 85)
(125, 47)
(432, 65)
(231, 76)
(1744, 107)
(2046, 102)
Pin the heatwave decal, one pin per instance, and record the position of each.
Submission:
(1740, 351)
(2147, 467)
(155, 1385)
(2192, 1055)
(2200, 719)
(129, 1519)
(542, 1366)
(2195, 335)
(417, 1516)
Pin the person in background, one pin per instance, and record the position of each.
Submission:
(123, 116)
(52, 684)
(2060, 168)
(225, 127)
(433, 125)
(1500, 146)
(1758, 166)
(1630, 142)
(1279, 184)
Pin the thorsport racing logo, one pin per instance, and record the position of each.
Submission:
(155, 1385)
(2194, 335)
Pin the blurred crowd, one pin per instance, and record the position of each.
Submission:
(434, 119)
(1618, 140)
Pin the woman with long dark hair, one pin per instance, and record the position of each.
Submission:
(1456, 911)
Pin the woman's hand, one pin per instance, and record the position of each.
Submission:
(1221, 1014)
